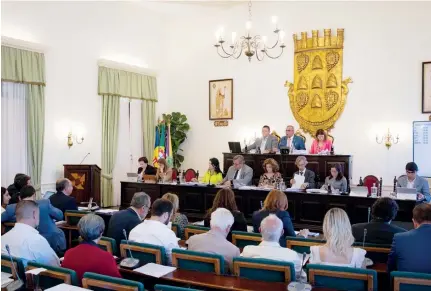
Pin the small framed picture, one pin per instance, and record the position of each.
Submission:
(221, 99)
(426, 87)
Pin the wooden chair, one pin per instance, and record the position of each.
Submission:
(408, 281)
(145, 253)
(369, 180)
(53, 276)
(301, 135)
(6, 266)
(189, 175)
(159, 287)
(72, 217)
(175, 229)
(243, 238)
(98, 282)
(274, 133)
(264, 270)
(302, 245)
(191, 229)
(342, 278)
(106, 243)
(198, 261)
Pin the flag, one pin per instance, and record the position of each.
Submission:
(169, 155)
(159, 145)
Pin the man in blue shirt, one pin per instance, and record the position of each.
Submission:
(290, 140)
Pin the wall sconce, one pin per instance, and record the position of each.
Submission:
(388, 139)
(70, 139)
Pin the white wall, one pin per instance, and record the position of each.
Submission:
(76, 35)
(385, 44)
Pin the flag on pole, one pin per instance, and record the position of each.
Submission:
(169, 156)
(159, 145)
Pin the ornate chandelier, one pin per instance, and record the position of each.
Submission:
(249, 44)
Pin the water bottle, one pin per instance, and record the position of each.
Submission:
(374, 191)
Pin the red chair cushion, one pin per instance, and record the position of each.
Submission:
(190, 174)
(369, 181)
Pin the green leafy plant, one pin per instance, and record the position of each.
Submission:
(179, 128)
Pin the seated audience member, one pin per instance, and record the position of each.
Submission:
(413, 180)
(309, 176)
(337, 250)
(177, 218)
(271, 229)
(321, 144)
(24, 240)
(145, 168)
(271, 175)
(155, 229)
(48, 213)
(5, 198)
(62, 199)
(88, 256)
(239, 174)
(20, 181)
(266, 144)
(225, 198)
(291, 141)
(379, 229)
(214, 241)
(213, 176)
(276, 203)
(164, 173)
(129, 218)
(336, 181)
(410, 250)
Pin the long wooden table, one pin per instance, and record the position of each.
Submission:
(306, 210)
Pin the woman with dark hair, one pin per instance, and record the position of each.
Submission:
(213, 175)
(164, 173)
(321, 144)
(336, 180)
(20, 181)
(5, 198)
(271, 175)
(225, 198)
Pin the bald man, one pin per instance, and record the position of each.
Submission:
(25, 241)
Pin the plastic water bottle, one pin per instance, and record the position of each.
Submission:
(374, 191)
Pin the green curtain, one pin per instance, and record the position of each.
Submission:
(110, 118)
(148, 116)
(22, 66)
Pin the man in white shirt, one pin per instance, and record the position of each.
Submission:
(267, 144)
(155, 230)
(25, 241)
(271, 229)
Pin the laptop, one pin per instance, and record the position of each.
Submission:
(284, 150)
(234, 147)
(404, 193)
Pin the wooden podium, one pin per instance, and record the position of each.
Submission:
(85, 180)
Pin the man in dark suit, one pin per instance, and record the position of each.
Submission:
(409, 251)
(145, 168)
(379, 229)
(129, 218)
(309, 176)
(62, 199)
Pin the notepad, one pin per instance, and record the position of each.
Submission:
(5, 279)
(36, 271)
(65, 287)
(155, 270)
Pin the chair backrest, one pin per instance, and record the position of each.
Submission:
(6, 226)
(174, 174)
(274, 133)
(6, 266)
(376, 252)
(190, 230)
(299, 134)
(175, 229)
(53, 276)
(198, 261)
(159, 287)
(369, 180)
(342, 278)
(302, 245)
(264, 270)
(330, 137)
(243, 238)
(109, 245)
(72, 217)
(145, 253)
(98, 282)
(408, 281)
(189, 175)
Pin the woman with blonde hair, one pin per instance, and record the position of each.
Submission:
(164, 173)
(177, 218)
(337, 250)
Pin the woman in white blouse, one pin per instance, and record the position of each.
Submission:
(338, 250)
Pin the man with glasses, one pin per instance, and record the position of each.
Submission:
(413, 180)
(291, 141)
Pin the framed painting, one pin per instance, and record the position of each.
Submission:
(426, 87)
(221, 99)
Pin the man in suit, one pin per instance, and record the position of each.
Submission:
(379, 229)
(291, 141)
(409, 249)
(239, 174)
(268, 143)
(48, 214)
(145, 168)
(309, 176)
(129, 218)
(413, 180)
(62, 199)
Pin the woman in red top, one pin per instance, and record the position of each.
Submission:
(88, 256)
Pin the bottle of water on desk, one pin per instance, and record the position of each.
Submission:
(374, 191)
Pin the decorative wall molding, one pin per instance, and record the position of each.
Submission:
(126, 67)
(23, 44)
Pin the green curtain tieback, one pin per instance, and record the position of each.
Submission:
(106, 176)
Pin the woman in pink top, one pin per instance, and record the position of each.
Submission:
(321, 143)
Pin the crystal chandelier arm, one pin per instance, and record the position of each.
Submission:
(257, 55)
(223, 56)
(271, 57)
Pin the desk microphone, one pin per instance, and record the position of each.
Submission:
(365, 235)
(129, 263)
(84, 158)
(18, 284)
(300, 285)
(369, 214)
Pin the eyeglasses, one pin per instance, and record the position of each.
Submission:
(410, 172)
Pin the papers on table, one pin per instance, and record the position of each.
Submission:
(5, 279)
(65, 287)
(36, 271)
(313, 234)
(155, 270)
(106, 211)
(299, 180)
(60, 222)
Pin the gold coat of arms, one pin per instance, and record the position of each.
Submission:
(318, 94)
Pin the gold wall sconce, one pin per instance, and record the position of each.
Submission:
(388, 139)
(70, 139)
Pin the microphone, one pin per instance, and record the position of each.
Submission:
(84, 158)
(365, 235)
(300, 285)
(15, 285)
(129, 263)
(369, 214)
